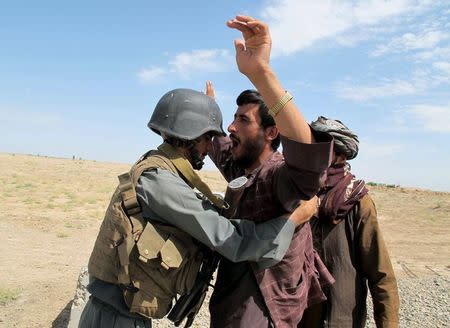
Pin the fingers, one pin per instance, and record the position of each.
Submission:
(239, 45)
(244, 18)
(258, 27)
(247, 24)
(240, 26)
(210, 90)
(309, 206)
(304, 211)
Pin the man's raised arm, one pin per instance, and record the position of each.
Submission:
(252, 57)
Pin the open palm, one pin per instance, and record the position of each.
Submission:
(252, 53)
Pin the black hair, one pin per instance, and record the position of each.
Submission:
(254, 97)
(179, 143)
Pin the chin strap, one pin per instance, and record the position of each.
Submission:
(192, 178)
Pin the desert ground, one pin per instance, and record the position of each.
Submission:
(51, 208)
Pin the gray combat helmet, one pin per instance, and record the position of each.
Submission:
(186, 114)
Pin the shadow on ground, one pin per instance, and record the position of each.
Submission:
(62, 320)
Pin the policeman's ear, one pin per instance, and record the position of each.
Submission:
(270, 133)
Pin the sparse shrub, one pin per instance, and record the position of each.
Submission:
(8, 295)
(25, 185)
(391, 186)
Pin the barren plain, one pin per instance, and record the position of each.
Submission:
(51, 208)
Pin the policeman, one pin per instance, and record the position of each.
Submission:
(156, 230)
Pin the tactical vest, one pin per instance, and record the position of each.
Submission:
(151, 262)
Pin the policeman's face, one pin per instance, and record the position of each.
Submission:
(247, 135)
(203, 145)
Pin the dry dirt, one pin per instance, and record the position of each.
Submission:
(51, 208)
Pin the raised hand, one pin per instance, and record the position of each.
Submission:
(253, 52)
(210, 90)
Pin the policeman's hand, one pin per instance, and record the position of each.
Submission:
(252, 53)
(305, 211)
(210, 90)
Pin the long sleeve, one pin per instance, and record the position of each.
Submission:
(166, 198)
(377, 267)
(307, 159)
(299, 176)
(295, 176)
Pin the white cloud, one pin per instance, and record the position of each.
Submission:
(442, 66)
(389, 88)
(432, 118)
(151, 74)
(205, 60)
(185, 64)
(411, 41)
(438, 53)
(297, 24)
(373, 11)
(421, 80)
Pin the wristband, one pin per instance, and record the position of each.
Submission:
(287, 97)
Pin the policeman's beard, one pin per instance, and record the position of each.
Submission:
(196, 160)
(251, 149)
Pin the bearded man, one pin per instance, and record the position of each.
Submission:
(247, 294)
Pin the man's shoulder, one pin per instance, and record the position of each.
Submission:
(366, 202)
(366, 209)
(154, 159)
(275, 160)
(271, 165)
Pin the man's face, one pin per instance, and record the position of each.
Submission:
(201, 149)
(247, 135)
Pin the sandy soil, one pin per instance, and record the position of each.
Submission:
(50, 211)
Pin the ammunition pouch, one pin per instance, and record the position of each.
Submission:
(164, 263)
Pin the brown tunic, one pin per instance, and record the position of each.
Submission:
(355, 253)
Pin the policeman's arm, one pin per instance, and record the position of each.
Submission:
(166, 198)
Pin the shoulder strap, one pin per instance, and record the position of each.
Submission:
(128, 180)
(127, 185)
(193, 179)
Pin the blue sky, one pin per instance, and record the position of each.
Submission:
(82, 78)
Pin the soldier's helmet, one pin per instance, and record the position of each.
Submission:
(186, 114)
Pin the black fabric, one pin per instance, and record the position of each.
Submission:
(110, 294)
(98, 314)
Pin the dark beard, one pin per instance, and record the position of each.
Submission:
(196, 161)
(251, 151)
